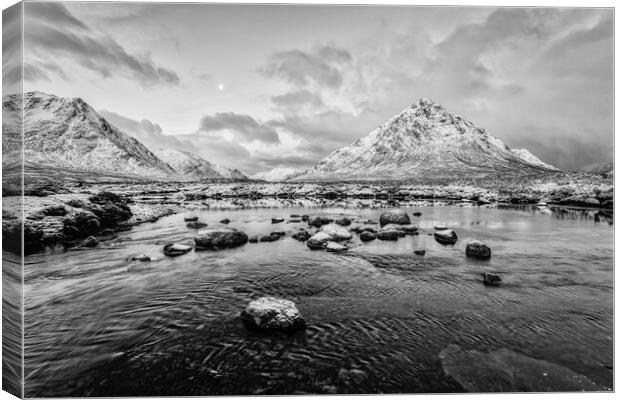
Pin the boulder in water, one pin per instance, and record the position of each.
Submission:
(270, 313)
(269, 238)
(176, 249)
(219, 238)
(319, 221)
(335, 247)
(419, 252)
(478, 249)
(318, 240)
(441, 228)
(490, 279)
(343, 221)
(394, 227)
(337, 232)
(277, 220)
(367, 236)
(196, 225)
(389, 234)
(253, 239)
(225, 221)
(447, 236)
(396, 216)
(301, 236)
(190, 218)
(141, 257)
(89, 242)
(417, 214)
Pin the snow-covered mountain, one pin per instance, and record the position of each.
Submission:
(278, 174)
(423, 141)
(68, 133)
(189, 165)
(229, 173)
(527, 156)
(193, 167)
(601, 168)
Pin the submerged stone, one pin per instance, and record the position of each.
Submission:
(141, 257)
(419, 252)
(367, 236)
(196, 225)
(335, 247)
(176, 249)
(190, 218)
(277, 220)
(491, 279)
(504, 370)
(389, 234)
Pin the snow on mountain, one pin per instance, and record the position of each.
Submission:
(68, 133)
(278, 174)
(423, 141)
(527, 156)
(601, 168)
(230, 173)
(151, 136)
(188, 165)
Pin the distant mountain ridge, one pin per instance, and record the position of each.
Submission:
(424, 141)
(192, 166)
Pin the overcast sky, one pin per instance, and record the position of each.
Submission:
(258, 87)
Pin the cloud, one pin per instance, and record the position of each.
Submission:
(55, 13)
(244, 127)
(76, 43)
(322, 66)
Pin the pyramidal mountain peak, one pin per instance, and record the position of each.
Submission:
(424, 141)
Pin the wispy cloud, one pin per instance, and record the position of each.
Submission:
(54, 36)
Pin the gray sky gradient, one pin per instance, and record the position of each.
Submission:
(258, 87)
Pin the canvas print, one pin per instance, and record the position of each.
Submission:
(234, 199)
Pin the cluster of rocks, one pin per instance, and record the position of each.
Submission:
(73, 220)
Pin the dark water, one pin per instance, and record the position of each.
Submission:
(378, 316)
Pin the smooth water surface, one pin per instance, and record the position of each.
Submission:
(378, 316)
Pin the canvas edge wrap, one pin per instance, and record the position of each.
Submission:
(12, 206)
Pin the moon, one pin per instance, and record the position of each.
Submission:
(220, 87)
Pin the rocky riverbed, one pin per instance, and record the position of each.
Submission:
(70, 213)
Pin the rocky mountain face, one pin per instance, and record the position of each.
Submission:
(67, 133)
(193, 167)
(527, 156)
(423, 141)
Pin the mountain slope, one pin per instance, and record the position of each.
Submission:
(277, 174)
(68, 133)
(189, 165)
(527, 156)
(423, 141)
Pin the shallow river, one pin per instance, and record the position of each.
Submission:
(378, 316)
